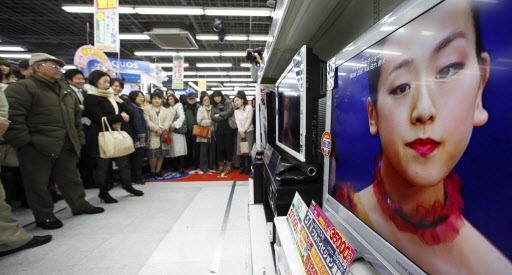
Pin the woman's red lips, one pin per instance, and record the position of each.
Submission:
(423, 146)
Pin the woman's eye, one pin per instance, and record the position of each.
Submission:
(400, 89)
(449, 70)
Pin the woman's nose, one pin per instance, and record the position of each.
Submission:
(423, 109)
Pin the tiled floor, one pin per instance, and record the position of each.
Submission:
(175, 228)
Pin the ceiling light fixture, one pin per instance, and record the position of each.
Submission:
(213, 65)
(12, 48)
(233, 53)
(206, 37)
(169, 10)
(133, 36)
(193, 85)
(237, 12)
(246, 65)
(170, 64)
(235, 84)
(237, 37)
(155, 53)
(90, 8)
(258, 37)
(16, 55)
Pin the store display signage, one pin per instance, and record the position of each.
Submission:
(326, 144)
(87, 53)
(106, 25)
(330, 255)
(331, 69)
(296, 215)
(131, 77)
(309, 254)
(201, 84)
(177, 75)
(133, 65)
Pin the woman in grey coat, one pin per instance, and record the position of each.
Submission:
(207, 151)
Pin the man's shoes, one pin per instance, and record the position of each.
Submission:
(36, 241)
(89, 209)
(50, 224)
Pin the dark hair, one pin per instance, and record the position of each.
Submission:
(158, 91)
(374, 75)
(69, 74)
(133, 96)
(176, 101)
(157, 94)
(203, 95)
(183, 100)
(7, 64)
(24, 64)
(118, 80)
(95, 76)
(169, 90)
(216, 94)
(243, 97)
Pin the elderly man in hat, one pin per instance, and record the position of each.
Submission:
(47, 130)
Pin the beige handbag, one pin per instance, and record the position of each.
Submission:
(115, 143)
(244, 146)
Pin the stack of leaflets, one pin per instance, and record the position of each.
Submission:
(321, 247)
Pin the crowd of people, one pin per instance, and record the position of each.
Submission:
(50, 122)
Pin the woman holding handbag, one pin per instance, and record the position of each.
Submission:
(207, 151)
(177, 131)
(99, 103)
(245, 137)
(222, 111)
(158, 121)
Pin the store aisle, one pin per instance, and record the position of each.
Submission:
(175, 228)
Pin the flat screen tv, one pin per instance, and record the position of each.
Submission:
(418, 177)
(299, 91)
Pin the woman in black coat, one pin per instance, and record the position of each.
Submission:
(100, 103)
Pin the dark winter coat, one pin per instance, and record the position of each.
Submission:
(44, 114)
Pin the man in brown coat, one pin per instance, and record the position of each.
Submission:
(47, 130)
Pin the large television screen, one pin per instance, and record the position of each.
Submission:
(422, 138)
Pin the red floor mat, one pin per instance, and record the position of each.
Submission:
(197, 175)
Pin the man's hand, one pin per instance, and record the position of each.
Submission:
(4, 124)
(125, 116)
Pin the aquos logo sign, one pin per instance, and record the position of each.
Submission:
(123, 64)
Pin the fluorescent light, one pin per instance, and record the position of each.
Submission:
(213, 65)
(233, 53)
(193, 85)
(235, 84)
(246, 65)
(207, 37)
(246, 88)
(258, 37)
(236, 37)
(238, 12)
(90, 9)
(133, 36)
(207, 79)
(189, 73)
(252, 84)
(223, 88)
(211, 73)
(383, 52)
(155, 53)
(16, 55)
(239, 73)
(199, 53)
(241, 79)
(169, 10)
(12, 48)
(170, 64)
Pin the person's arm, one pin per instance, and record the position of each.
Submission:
(152, 126)
(228, 110)
(200, 118)
(166, 116)
(20, 103)
(95, 113)
(181, 116)
(246, 119)
(215, 115)
(4, 111)
(239, 120)
(78, 122)
(135, 121)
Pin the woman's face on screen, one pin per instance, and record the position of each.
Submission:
(430, 94)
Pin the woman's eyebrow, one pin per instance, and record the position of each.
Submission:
(404, 63)
(447, 40)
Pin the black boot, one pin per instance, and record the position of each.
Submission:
(106, 198)
(129, 188)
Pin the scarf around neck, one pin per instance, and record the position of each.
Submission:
(109, 94)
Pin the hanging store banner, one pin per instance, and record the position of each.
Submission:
(177, 72)
(202, 85)
(106, 25)
(87, 53)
